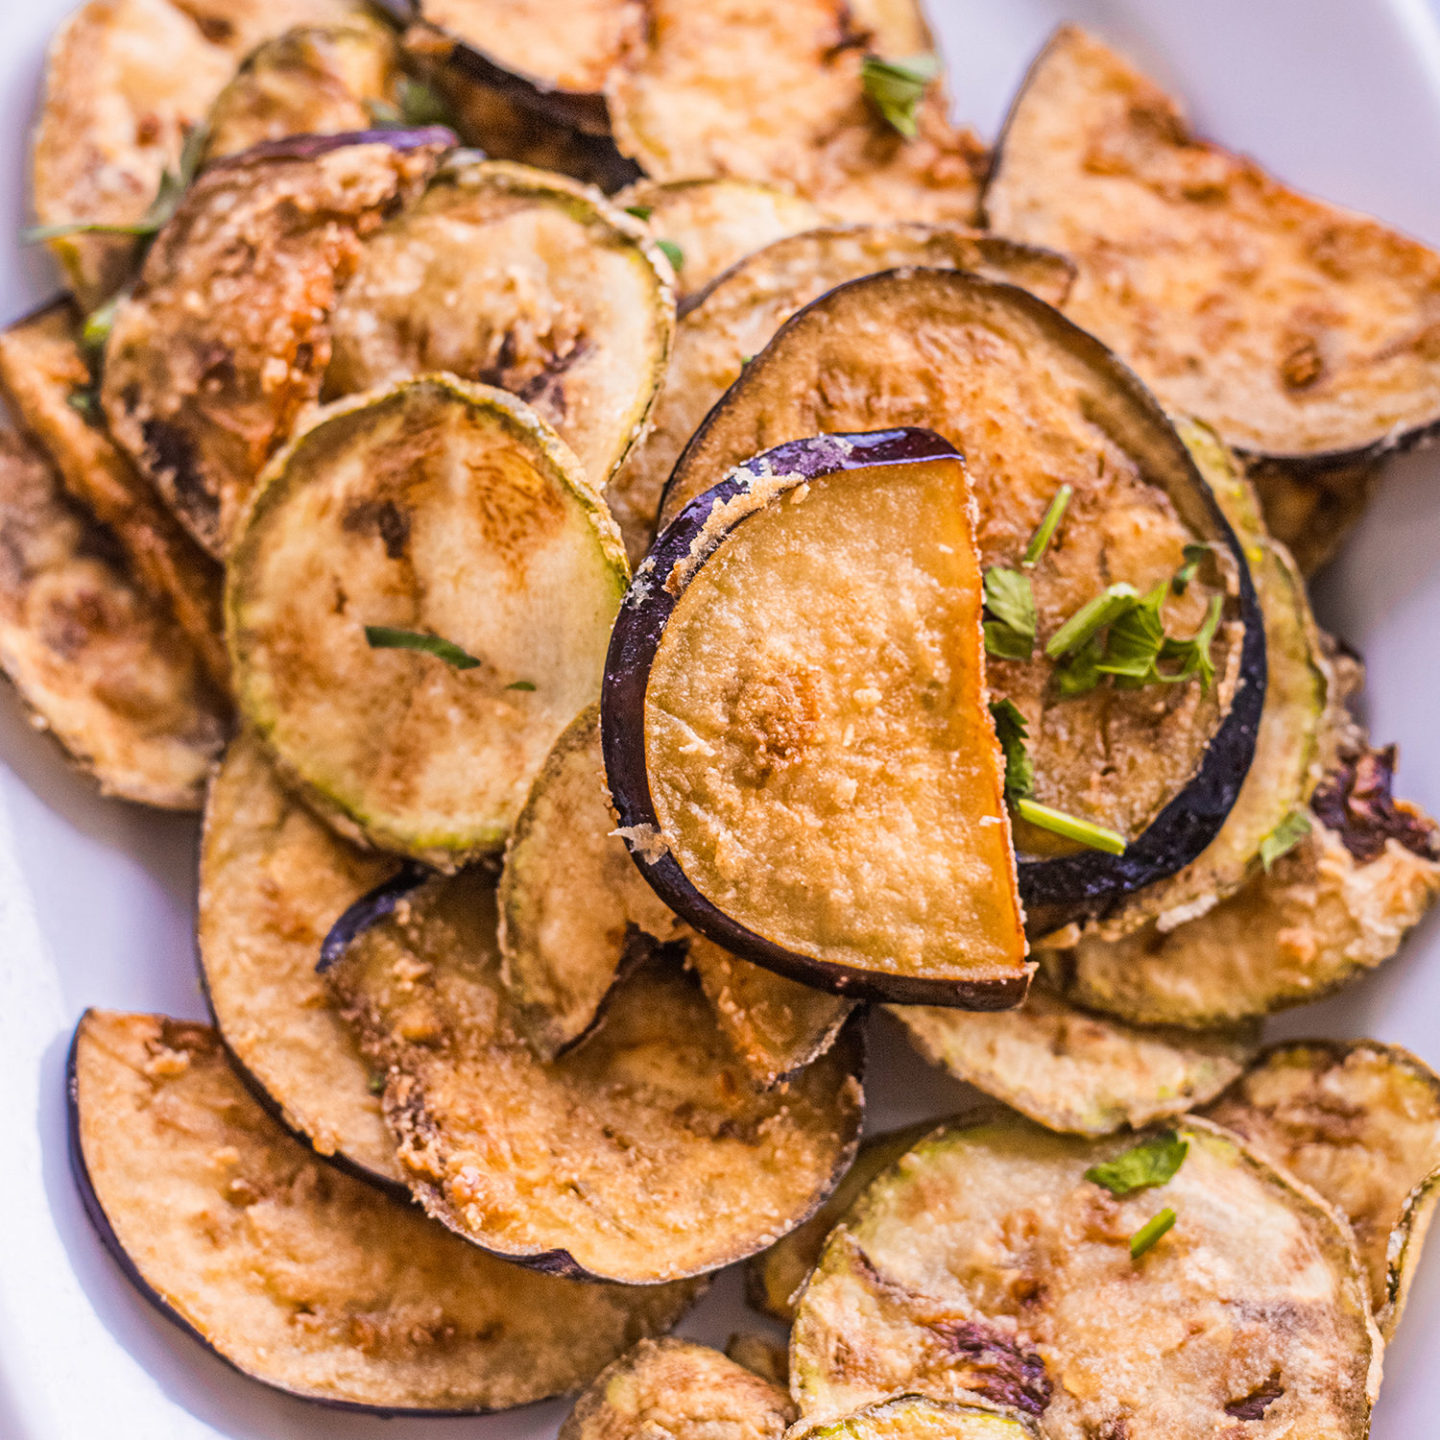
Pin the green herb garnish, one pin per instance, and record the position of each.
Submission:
(1010, 602)
(1086, 832)
(385, 637)
(1194, 653)
(419, 105)
(1146, 1237)
(1135, 640)
(376, 1085)
(672, 252)
(100, 322)
(1080, 674)
(1284, 838)
(521, 685)
(1040, 540)
(1194, 558)
(1150, 1163)
(896, 87)
(640, 212)
(85, 402)
(1091, 618)
(1012, 733)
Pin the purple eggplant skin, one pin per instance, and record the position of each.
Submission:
(308, 147)
(370, 909)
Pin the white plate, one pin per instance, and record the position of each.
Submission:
(1338, 96)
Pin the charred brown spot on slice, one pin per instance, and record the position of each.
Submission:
(1008, 1373)
(386, 519)
(170, 452)
(1358, 803)
(1254, 1405)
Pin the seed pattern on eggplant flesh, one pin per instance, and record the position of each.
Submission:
(642, 1155)
(273, 880)
(517, 278)
(299, 1276)
(682, 1391)
(446, 511)
(743, 90)
(210, 363)
(958, 353)
(96, 661)
(985, 1267)
(913, 1417)
(1317, 345)
(1075, 1072)
(1359, 1122)
(796, 732)
(736, 317)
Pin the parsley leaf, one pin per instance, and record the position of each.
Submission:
(521, 685)
(1011, 731)
(1284, 838)
(1194, 653)
(386, 637)
(640, 212)
(1091, 618)
(1080, 674)
(85, 402)
(1146, 1237)
(896, 87)
(1010, 602)
(1135, 641)
(1150, 1163)
(1194, 558)
(101, 321)
(672, 252)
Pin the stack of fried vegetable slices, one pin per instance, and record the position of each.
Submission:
(635, 531)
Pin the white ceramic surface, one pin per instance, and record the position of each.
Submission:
(1338, 96)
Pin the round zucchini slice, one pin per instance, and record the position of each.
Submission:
(1359, 1122)
(521, 279)
(680, 1390)
(735, 318)
(795, 726)
(418, 604)
(301, 1277)
(980, 363)
(273, 880)
(991, 1264)
(913, 1417)
(642, 1155)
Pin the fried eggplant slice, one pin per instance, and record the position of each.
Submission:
(711, 224)
(1311, 512)
(1334, 907)
(767, 1357)
(273, 880)
(95, 660)
(1034, 403)
(642, 1155)
(521, 279)
(47, 381)
(1295, 328)
(775, 1277)
(681, 1390)
(301, 1277)
(431, 554)
(741, 90)
(1359, 1122)
(795, 726)
(309, 81)
(913, 1417)
(243, 25)
(737, 316)
(986, 1267)
(1075, 1072)
(227, 337)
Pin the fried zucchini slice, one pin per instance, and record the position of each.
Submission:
(680, 1390)
(739, 89)
(299, 1276)
(642, 1155)
(273, 880)
(451, 514)
(1295, 328)
(985, 1266)
(913, 1417)
(1336, 906)
(213, 358)
(775, 1277)
(95, 660)
(713, 223)
(737, 316)
(795, 726)
(1079, 1073)
(47, 381)
(1359, 1122)
(1031, 401)
(521, 279)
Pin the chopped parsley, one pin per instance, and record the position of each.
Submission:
(419, 104)
(1194, 558)
(896, 87)
(672, 252)
(1086, 832)
(1010, 603)
(1150, 1163)
(1012, 733)
(521, 685)
(1284, 837)
(1090, 619)
(385, 637)
(1040, 540)
(85, 402)
(376, 1085)
(1148, 1235)
(100, 322)
(640, 212)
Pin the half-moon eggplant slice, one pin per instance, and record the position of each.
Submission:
(913, 1417)
(643, 1155)
(1335, 906)
(522, 279)
(796, 732)
(737, 316)
(1359, 1122)
(1295, 328)
(227, 337)
(273, 880)
(1075, 1072)
(432, 555)
(987, 1266)
(95, 660)
(981, 363)
(47, 381)
(301, 1277)
(682, 1391)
